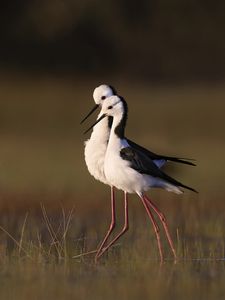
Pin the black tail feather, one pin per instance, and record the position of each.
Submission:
(175, 182)
(185, 161)
(154, 156)
(188, 188)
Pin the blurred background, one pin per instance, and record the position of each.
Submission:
(149, 41)
(166, 58)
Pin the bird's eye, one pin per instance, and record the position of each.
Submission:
(110, 107)
(103, 97)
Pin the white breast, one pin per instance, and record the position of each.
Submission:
(118, 172)
(95, 150)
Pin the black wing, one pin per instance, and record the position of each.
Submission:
(155, 156)
(140, 162)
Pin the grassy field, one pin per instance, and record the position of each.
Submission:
(51, 209)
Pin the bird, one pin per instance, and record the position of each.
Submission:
(131, 170)
(95, 149)
(94, 152)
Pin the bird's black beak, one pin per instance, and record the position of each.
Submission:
(99, 119)
(90, 113)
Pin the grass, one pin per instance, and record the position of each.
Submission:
(52, 210)
(37, 252)
(38, 262)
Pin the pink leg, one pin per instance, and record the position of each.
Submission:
(164, 223)
(125, 227)
(155, 226)
(112, 225)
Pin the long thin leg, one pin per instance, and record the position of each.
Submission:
(112, 224)
(155, 226)
(164, 223)
(125, 227)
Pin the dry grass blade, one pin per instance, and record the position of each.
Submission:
(22, 232)
(53, 235)
(85, 253)
(66, 223)
(93, 251)
(15, 241)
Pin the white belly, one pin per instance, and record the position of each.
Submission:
(94, 157)
(95, 150)
(120, 175)
(123, 177)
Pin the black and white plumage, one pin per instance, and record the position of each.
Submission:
(140, 162)
(131, 159)
(126, 167)
(131, 170)
(158, 158)
(119, 162)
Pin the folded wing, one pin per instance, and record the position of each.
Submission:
(143, 164)
(154, 156)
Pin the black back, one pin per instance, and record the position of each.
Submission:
(155, 156)
(140, 162)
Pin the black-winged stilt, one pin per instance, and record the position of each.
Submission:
(130, 169)
(95, 149)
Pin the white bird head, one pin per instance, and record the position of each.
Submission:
(113, 106)
(102, 92)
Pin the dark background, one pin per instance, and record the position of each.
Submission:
(147, 40)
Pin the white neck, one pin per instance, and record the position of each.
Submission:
(101, 131)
